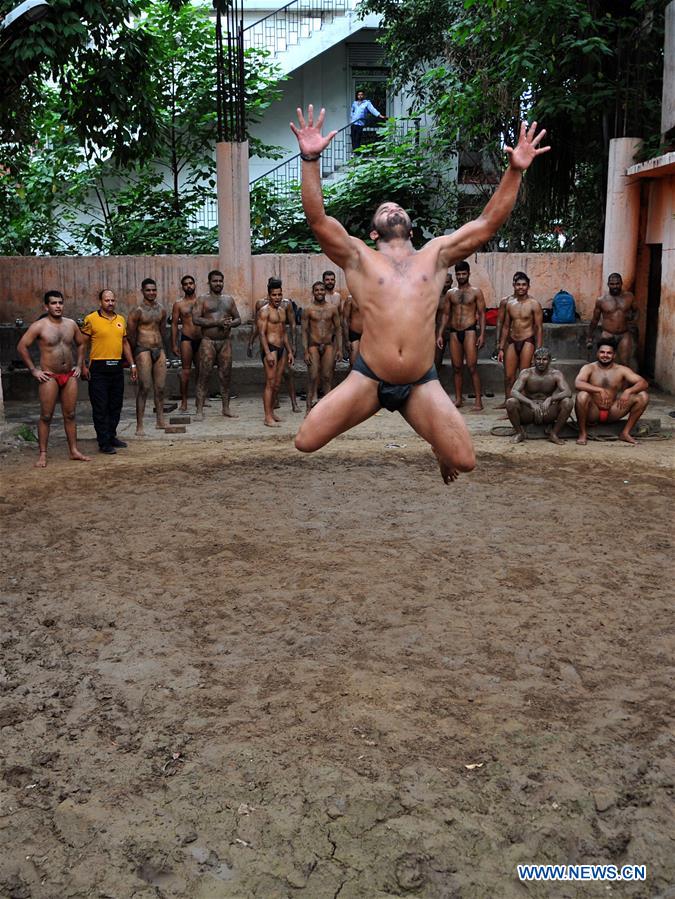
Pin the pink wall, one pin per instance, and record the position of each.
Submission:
(24, 279)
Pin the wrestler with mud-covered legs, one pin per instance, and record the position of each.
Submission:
(57, 376)
(540, 395)
(397, 289)
(608, 392)
(321, 342)
(190, 337)
(216, 314)
(464, 309)
(276, 352)
(146, 328)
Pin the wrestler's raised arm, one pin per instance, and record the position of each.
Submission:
(474, 234)
(342, 249)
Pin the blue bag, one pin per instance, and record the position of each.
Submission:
(564, 308)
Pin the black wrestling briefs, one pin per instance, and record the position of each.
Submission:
(155, 351)
(392, 396)
(279, 350)
(195, 342)
(460, 334)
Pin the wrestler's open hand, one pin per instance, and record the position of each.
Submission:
(480, 343)
(271, 359)
(41, 376)
(439, 343)
(77, 372)
(309, 135)
(604, 400)
(525, 151)
(291, 360)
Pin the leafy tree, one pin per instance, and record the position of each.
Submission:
(139, 185)
(407, 168)
(589, 70)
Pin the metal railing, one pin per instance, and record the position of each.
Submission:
(287, 26)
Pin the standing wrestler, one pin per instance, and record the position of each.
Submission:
(146, 328)
(352, 328)
(608, 392)
(56, 375)
(614, 310)
(397, 290)
(540, 395)
(465, 310)
(288, 309)
(216, 314)
(321, 333)
(276, 350)
(521, 333)
(442, 300)
(190, 336)
(332, 295)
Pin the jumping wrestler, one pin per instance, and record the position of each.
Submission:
(287, 307)
(146, 326)
(216, 314)
(190, 336)
(276, 349)
(521, 333)
(56, 375)
(397, 290)
(614, 310)
(352, 328)
(442, 301)
(321, 333)
(465, 309)
(540, 395)
(608, 392)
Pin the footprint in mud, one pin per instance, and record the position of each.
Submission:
(409, 871)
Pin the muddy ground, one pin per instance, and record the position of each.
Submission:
(228, 670)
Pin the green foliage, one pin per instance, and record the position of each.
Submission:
(588, 70)
(125, 165)
(410, 169)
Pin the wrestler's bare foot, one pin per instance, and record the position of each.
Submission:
(276, 417)
(139, 431)
(42, 461)
(277, 405)
(161, 424)
(477, 407)
(297, 408)
(183, 407)
(555, 439)
(459, 403)
(273, 423)
(582, 440)
(625, 436)
(199, 415)
(447, 472)
(77, 456)
(519, 438)
(228, 414)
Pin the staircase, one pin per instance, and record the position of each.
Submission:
(303, 29)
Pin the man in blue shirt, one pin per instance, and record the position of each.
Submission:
(361, 108)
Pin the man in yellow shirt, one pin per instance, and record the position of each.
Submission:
(106, 333)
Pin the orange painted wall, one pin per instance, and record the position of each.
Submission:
(23, 280)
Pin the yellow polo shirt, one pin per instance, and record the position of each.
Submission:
(106, 335)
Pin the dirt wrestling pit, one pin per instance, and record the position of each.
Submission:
(229, 670)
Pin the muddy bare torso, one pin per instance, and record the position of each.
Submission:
(190, 329)
(463, 307)
(615, 312)
(520, 320)
(219, 308)
(55, 342)
(273, 320)
(540, 386)
(148, 327)
(321, 322)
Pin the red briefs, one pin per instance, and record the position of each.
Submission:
(603, 414)
(62, 380)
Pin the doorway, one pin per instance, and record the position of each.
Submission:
(653, 303)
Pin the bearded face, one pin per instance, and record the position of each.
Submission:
(391, 222)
